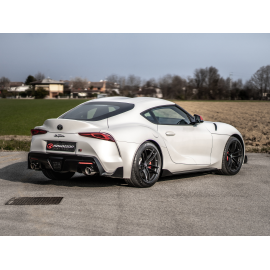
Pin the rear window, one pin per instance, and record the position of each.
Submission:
(95, 111)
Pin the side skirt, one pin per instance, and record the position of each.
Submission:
(168, 173)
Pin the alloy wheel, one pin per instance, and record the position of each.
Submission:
(149, 164)
(234, 156)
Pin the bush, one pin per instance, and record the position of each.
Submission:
(5, 94)
(23, 94)
(40, 93)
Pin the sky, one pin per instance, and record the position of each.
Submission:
(96, 56)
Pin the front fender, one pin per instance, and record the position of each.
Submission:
(221, 132)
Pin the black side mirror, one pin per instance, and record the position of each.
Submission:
(197, 119)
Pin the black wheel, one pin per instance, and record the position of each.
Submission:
(233, 156)
(146, 166)
(57, 176)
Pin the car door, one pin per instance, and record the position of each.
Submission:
(187, 143)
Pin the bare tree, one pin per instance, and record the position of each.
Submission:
(39, 76)
(113, 78)
(4, 82)
(261, 80)
(200, 76)
(212, 77)
(79, 83)
(132, 84)
(165, 84)
(173, 87)
(133, 81)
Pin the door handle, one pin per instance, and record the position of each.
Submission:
(170, 133)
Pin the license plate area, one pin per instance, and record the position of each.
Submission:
(61, 146)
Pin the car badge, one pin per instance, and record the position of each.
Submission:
(59, 127)
(58, 135)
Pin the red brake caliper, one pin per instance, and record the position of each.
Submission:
(227, 156)
(150, 165)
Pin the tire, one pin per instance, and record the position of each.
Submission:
(146, 166)
(232, 158)
(57, 176)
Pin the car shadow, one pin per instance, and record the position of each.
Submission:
(18, 172)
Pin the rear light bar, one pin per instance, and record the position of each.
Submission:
(98, 135)
(85, 162)
(38, 131)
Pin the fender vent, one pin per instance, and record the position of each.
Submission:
(34, 201)
(215, 126)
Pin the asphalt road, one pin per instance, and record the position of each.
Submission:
(193, 204)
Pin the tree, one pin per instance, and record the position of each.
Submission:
(165, 84)
(40, 93)
(212, 81)
(39, 76)
(29, 79)
(261, 80)
(4, 82)
(173, 87)
(200, 76)
(79, 83)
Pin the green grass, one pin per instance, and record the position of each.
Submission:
(14, 145)
(18, 117)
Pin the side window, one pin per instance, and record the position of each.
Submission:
(170, 115)
(90, 113)
(111, 109)
(149, 117)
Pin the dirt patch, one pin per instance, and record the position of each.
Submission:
(250, 118)
(16, 137)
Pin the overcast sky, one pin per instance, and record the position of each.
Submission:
(95, 56)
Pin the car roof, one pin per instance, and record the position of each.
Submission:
(141, 103)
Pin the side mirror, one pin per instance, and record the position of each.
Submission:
(197, 119)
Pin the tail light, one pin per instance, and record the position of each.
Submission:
(38, 131)
(98, 135)
(201, 118)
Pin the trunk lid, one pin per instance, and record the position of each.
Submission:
(73, 126)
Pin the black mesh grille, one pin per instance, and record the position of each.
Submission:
(34, 201)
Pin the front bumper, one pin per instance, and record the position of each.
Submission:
(69, 163)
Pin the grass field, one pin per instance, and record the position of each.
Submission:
(18, 117)
(252, 119)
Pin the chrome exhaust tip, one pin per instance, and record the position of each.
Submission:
(33, 166)
(88, 171)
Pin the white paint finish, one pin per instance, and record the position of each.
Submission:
(73, 126)
(189, 149)
(128, 151)
(106, 152)
(191, 144)
(219, 142)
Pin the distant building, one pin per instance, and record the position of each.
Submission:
(53, 87)
(102, 87)
(150, 91)
(17, 87)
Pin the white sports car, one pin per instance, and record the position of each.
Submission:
(138, 139)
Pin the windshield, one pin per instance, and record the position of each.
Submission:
(95, 111)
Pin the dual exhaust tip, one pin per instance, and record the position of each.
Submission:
(34, 166)
(89, 171)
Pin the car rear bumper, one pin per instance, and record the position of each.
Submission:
(69, 163)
